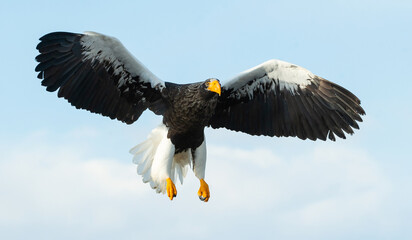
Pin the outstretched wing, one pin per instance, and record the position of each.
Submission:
(96, 72)
(277, 98)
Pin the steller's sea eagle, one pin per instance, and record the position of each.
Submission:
(96, 72)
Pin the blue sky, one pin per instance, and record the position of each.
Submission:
(66, 173)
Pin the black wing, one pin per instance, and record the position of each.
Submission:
(281, 99)
(96, 72)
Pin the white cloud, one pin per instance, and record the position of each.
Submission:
(45, 183)
(331, 187)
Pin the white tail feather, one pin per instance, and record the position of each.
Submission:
(144, 154)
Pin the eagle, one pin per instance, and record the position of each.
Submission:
(96, 72)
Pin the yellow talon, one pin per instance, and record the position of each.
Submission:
(203, 192)
(170, 189)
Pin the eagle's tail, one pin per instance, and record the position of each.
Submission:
(144, 155)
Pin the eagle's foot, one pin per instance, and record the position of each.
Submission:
(170, 189)
(203, 192)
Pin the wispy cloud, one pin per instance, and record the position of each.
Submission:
(61, 185)
(43, 182)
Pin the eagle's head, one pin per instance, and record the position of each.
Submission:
(212, 87)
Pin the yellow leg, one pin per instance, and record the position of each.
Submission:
(203, 192)
(170, 189)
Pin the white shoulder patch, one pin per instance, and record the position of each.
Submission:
(99, 47)
(283, 74)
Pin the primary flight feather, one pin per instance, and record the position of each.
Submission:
(96, 72)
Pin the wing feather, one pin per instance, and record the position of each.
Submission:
(96, 72)
(277, 98)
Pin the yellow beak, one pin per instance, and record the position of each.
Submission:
(214, 86)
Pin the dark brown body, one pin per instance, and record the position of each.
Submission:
(190, 107)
